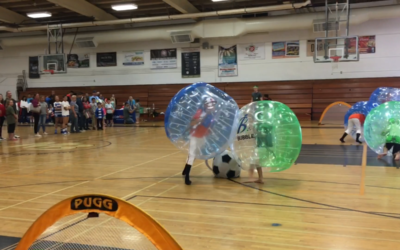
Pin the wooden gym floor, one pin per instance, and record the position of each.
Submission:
(317, 204)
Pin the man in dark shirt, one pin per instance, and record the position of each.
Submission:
(256, 96)
(127, 114)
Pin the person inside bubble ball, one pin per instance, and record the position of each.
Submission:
(199, 129)
(392, 134)
(357, 121)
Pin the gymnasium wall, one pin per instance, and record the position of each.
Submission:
(293, 81)
(384, 63)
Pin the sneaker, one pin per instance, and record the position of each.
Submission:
(16, 136)
(45, 133)
(83, 131)
(1, 139)
(38, 135)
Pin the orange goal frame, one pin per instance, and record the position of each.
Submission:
(330, 106)
(109, 205)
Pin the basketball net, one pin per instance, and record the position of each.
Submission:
(335, 64)
(50, 71)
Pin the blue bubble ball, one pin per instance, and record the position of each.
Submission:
(205, 113)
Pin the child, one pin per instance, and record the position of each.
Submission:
(57, 113)
(93, 108)
(357, 121)
(44, 114)
(109, 113)
(11, 120)
(264, 154)
(99, 116)
(201, 122)
(65, 107)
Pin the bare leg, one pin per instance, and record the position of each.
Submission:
(251, 173)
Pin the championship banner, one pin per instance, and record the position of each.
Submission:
(78, 60)
(366, 45)
(290, 49)
(251, 51)
(227, 61)
(191, 63)
(163, 59)
(133, 58)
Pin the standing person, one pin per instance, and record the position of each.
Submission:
(52, 98)
(44, 114)
(31, 118)
(14, 105)
(57, 114)
(36, 113)
(138, 110)
(99, 116)
(74, 115)
(3, 114)
(101, 96)
(11, 120)
(86, 113)
(93, 108)
(109, 113)
(79, 102)
(256, 96)
(103, 106)
(355, 121)
(113, 102)
(24, 110)
(132, 103)
(65, 107)
(199, 129)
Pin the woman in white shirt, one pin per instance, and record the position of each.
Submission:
(65, 107)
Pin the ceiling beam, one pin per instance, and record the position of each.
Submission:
(9, 16)
(183, 6)
(85, 8)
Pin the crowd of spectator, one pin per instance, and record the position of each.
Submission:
(70, 113)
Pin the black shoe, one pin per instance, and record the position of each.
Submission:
(342, 140)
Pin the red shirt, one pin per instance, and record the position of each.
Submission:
(360, 117)
(202, 129)
(2, 110)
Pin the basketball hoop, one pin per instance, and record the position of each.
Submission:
(335, 63)
(335, 58)
(50, 71)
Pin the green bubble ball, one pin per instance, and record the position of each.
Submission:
(382, 126)
(268, 136)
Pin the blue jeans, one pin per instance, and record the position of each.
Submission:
(134, 116)
(42, 122)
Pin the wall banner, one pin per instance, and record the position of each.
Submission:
(290, 49)
(191, 63)
(227, 61)
(78, 61)
(133, 58)
(252, 51)
(163, 59)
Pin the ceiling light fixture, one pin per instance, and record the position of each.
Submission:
(122, 7)
(39, 14)
(220, 0)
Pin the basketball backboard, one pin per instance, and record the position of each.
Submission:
(340, 49)
(55, 63)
